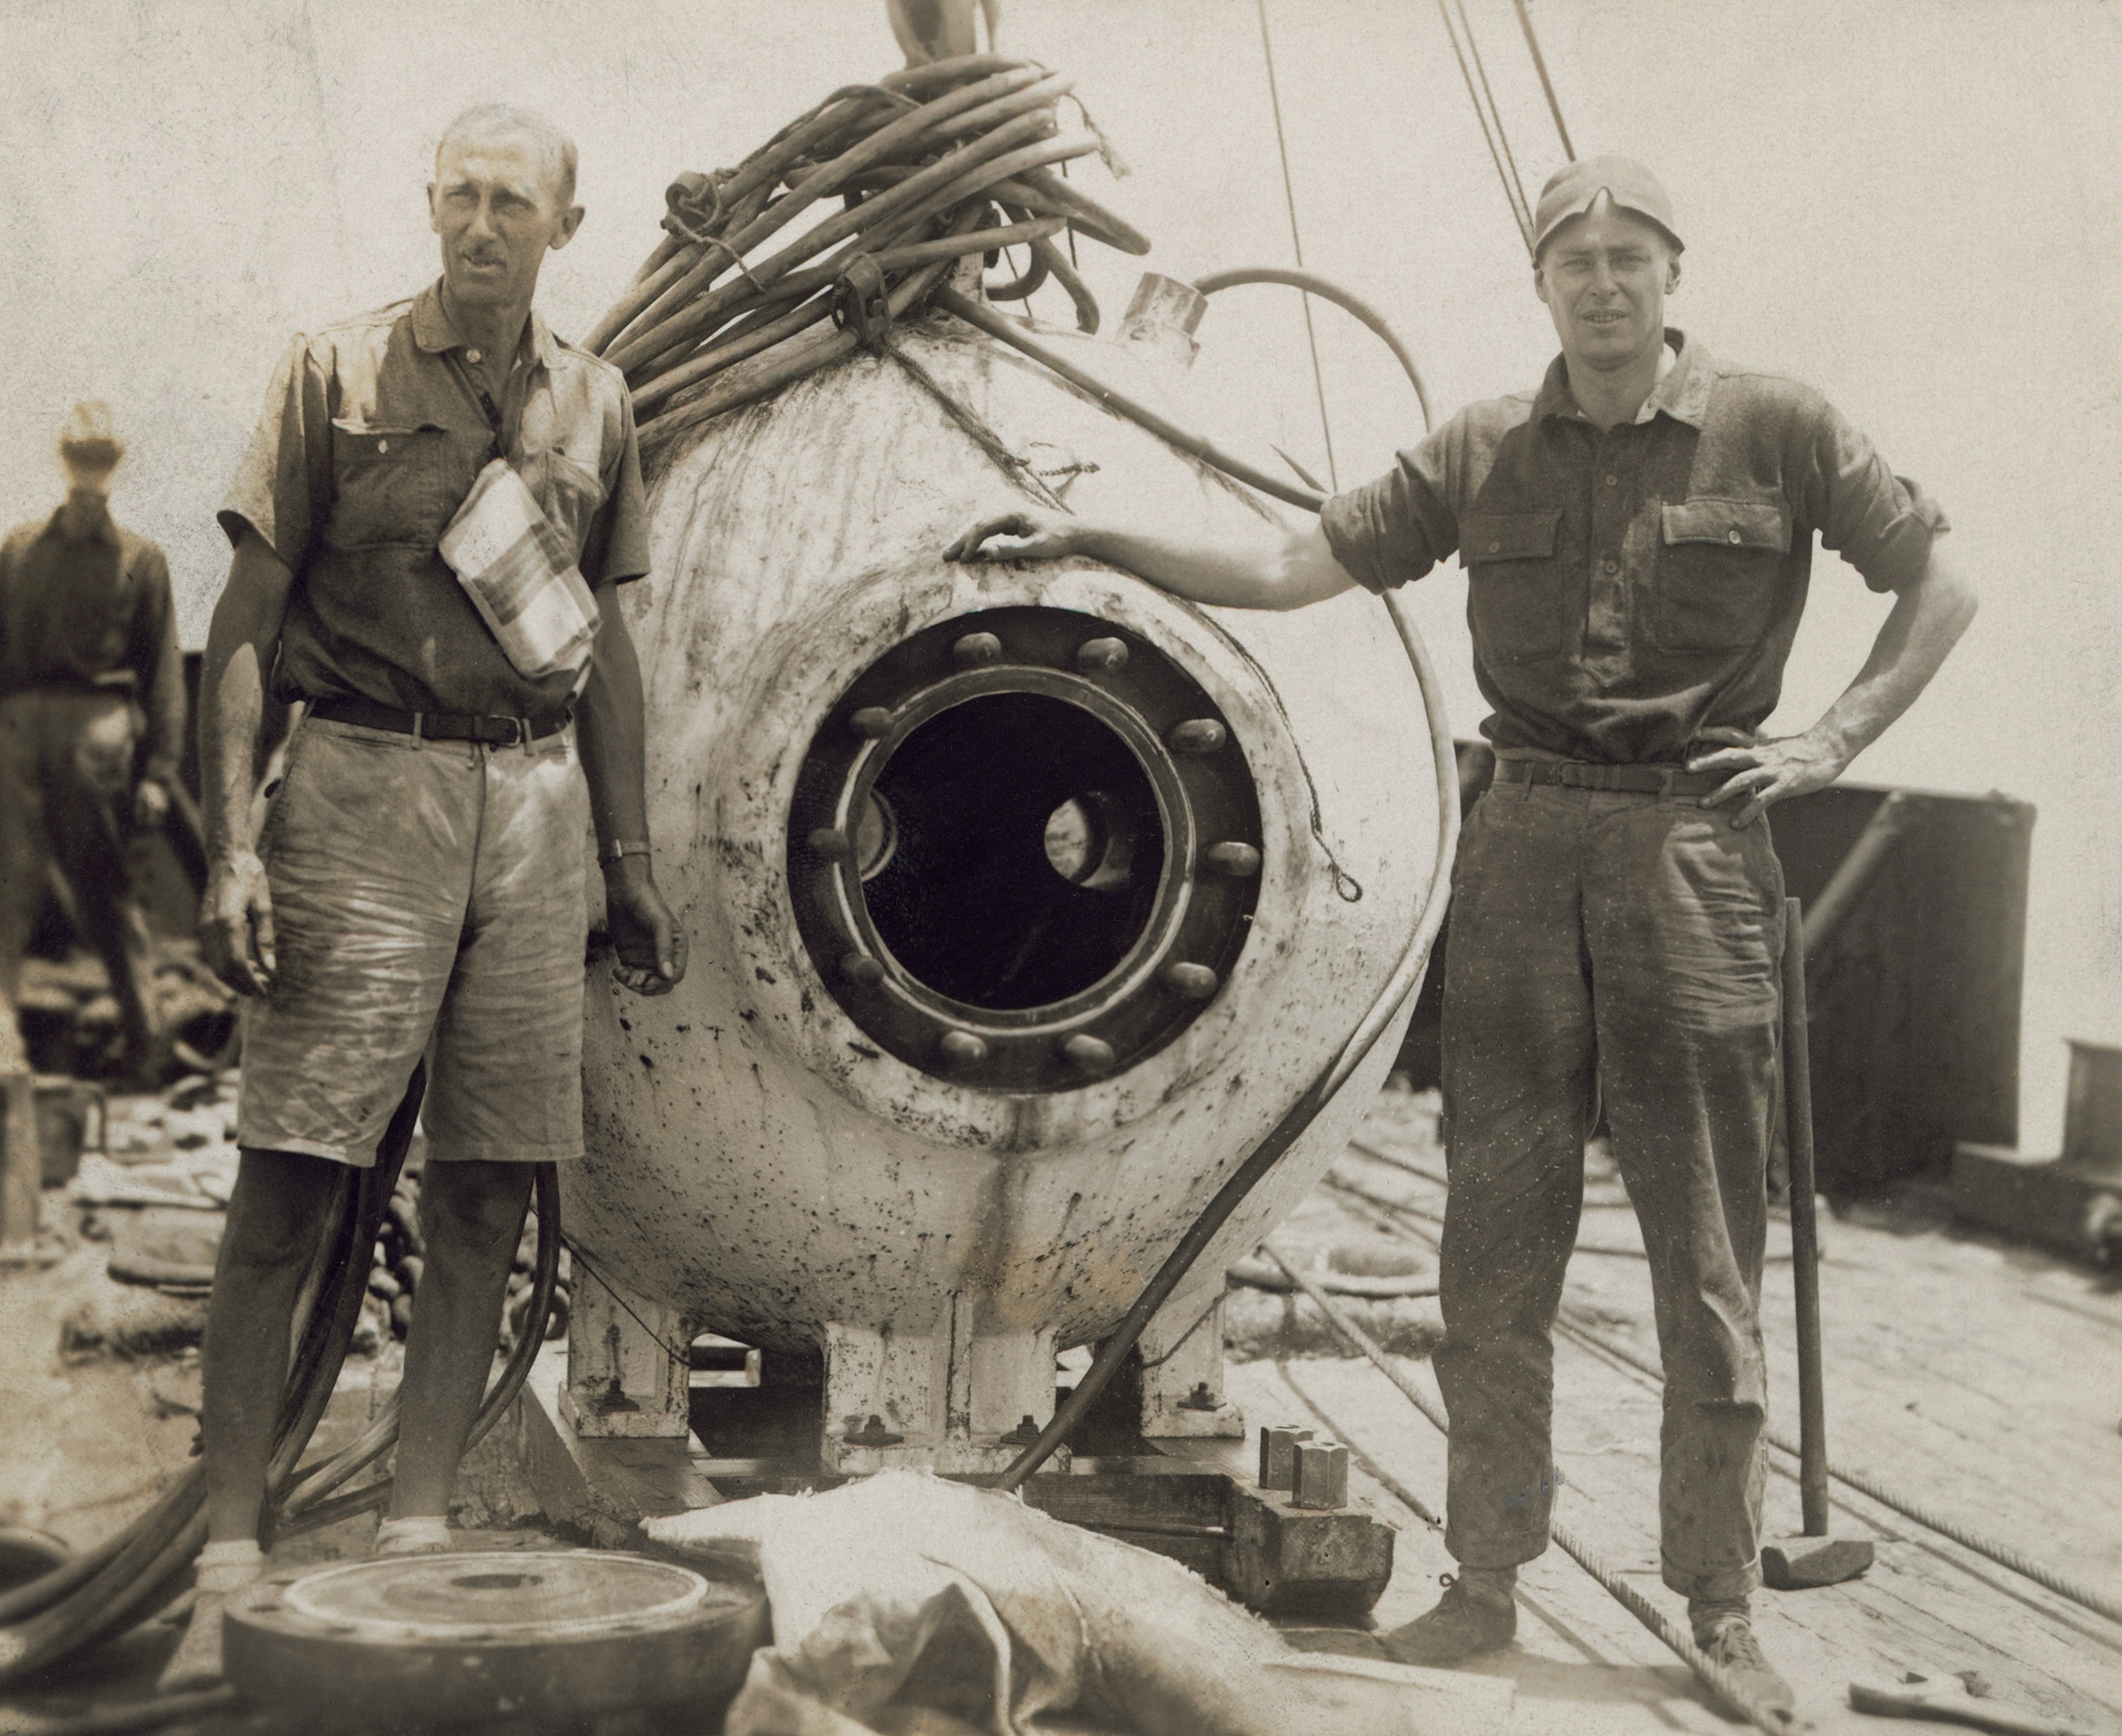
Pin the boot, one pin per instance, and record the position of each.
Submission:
(1476, 1614)
(1724, 1629)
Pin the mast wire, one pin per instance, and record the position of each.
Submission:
(1512, 192)
(1297, 244)
(1546, 84)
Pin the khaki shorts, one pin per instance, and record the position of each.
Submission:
(428, 898)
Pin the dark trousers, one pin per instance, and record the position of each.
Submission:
(66, 791)
(1623, 949)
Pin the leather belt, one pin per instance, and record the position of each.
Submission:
(439, 726)
(1634, 780)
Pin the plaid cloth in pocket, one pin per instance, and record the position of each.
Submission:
(517, 570)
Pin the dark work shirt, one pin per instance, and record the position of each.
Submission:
(371, 437)
(79, 614)
(1633, 595)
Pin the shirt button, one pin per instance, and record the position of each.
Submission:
(1612, 479)
(1494, 546)
(1732, 535)
(383, 446)
(473, 355)
(1612, 565)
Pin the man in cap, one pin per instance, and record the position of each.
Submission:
(92, 724)
(418, 884)
(1636, 535)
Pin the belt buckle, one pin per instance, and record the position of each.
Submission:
(519, 734)
(1575, 774)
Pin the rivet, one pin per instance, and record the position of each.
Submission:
(975, 649)
(831, 843)
(962, 1049)
(1240, 861)
(861, 969)
(1095, 655)
(871, 722)
(1195, 982)
(1197, 735)
(1088, 1054)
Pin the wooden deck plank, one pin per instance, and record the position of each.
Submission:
(1984, 1381)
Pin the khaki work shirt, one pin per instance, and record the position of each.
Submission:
(371, 438)
(1633, 594)
(94, 614)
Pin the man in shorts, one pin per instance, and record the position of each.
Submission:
(417, 885)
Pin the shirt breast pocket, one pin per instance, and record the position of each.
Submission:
(1514, 589)
(1720, 572)
(567, 492)
(392, 484)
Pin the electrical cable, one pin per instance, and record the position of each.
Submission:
(1406, 974)
(135, 1574)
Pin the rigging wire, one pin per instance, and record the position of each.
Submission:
(1546, 84)
(1502, 138)
(1297, 242)
(1512, 192)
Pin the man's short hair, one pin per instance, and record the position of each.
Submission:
(504, 120)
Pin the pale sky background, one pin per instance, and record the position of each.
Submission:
(1911, 204)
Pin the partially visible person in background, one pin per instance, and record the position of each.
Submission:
(92, 724)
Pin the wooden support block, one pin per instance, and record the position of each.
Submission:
(1281, 1559)
(21, 1165)
(603, 1486)
(2055, 1202)
(1802, 1564)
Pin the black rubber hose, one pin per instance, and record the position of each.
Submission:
(1326, 290)
(1300, 1114)
(129, 1578)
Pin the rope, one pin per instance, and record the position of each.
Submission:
(1297, 244)
(1546, 84)
(1720, 1681)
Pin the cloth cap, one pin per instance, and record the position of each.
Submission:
(89, 436)
(1574, 188)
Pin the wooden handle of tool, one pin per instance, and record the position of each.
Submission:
(1804, 1228)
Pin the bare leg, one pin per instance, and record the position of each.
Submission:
(471, 1215)
(277, 1220)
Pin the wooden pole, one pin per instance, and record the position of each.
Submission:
(1805, 1230)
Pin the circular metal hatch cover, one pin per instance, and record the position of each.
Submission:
(429, 1639)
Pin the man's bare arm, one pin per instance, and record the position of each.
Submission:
(1925, 624)
(610, 729)
(1274, 569)
(236, 925)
